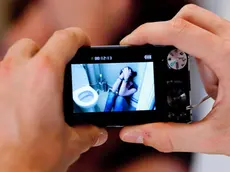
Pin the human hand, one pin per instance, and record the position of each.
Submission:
(33, 134)
(121, 75)
(205, 36)
(127, 73)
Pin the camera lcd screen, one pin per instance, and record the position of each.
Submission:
(126, 85)
(113, 87)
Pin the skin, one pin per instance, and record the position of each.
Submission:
(124, 89)
(36, 132)
(107, 18)
(118, 82)
(205, 36)
(102, 20)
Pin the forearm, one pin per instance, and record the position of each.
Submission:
(123, 88)
(116, 85)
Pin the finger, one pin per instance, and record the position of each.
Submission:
(209, 79)
(21, 51)
(63, 45)
(185, 36)
(82, 138)
(204, 19)
(172, 137)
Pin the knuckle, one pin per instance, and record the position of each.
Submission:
(178, 25)
(75, 30)
(42, 73)
(76, 34)
(30, 45)
(93, 139)
(23, 46)
(187, 11)
(145, 26)
(188, 8)
(62, 35)
(43, 65)
(164, 141)
(92, 134)
(70, 34)
(27, 43)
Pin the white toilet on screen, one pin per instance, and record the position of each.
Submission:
(84, 95)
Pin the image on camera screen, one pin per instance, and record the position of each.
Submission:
(113, 87)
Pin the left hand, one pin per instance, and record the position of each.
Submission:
(205, 36)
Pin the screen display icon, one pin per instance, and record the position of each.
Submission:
(148, 57)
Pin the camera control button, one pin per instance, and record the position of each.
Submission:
(176, 98)
(171, 115)
(177, 59)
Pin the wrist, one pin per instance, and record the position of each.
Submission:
(125, 80)
(121, 78)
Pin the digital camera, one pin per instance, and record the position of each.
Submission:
(115, 86)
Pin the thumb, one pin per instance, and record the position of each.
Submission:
(170, 137)
(82, 138)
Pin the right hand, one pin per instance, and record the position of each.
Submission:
(205, 36)
(127, 73)
(33, 133)
(121, 75)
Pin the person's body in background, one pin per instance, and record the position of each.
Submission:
(105, 22)
(121, 92)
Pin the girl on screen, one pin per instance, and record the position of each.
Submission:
(121, 92)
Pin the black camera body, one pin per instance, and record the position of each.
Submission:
(115, 86)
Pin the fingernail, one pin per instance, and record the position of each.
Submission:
(133, 137)
(102, 138)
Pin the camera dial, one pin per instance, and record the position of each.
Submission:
(177, 59)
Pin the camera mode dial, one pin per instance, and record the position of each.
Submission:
(177, 59)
